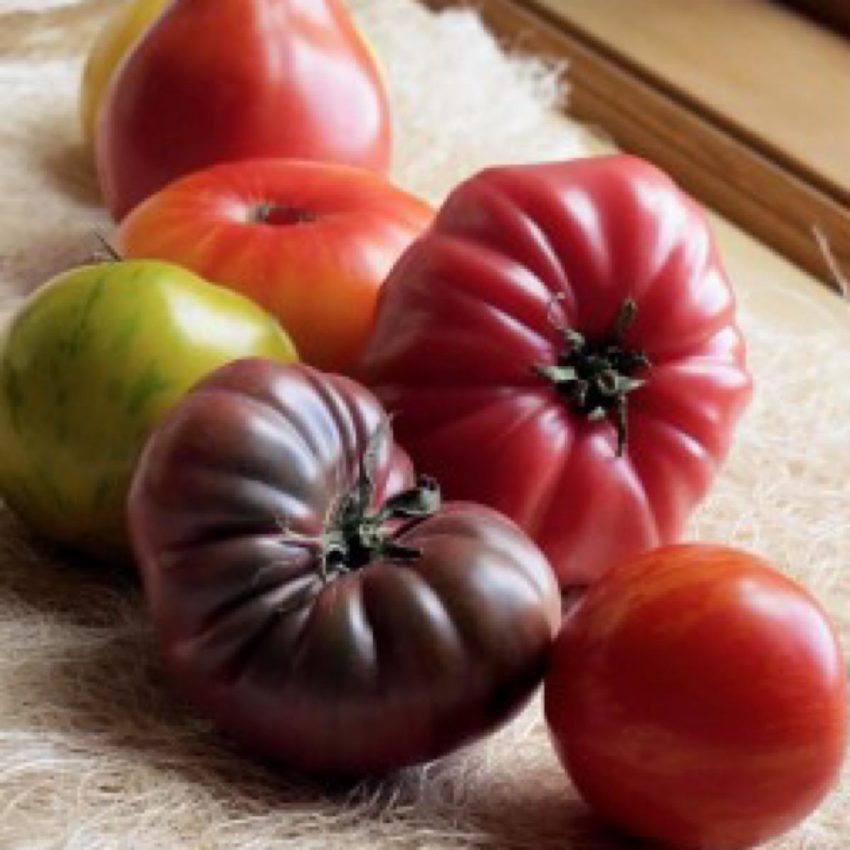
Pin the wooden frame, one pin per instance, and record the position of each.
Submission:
(833, 13)
(775, 198)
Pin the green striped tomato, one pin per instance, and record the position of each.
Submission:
(88, 366)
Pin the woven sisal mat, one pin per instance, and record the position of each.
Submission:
(96, 754)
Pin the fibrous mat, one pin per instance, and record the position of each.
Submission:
(96, 753)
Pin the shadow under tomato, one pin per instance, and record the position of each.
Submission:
(69, 167)
(55, 226)
(102, 675)
(104, 687)
(531, 810)
(40, 577)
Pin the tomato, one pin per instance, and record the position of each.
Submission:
(310, 242)
(561, 345)
(315, 599)
(224, 80)
(698, 697)
(87, 367)
(121, 31)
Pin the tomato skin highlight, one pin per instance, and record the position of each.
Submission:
(226, 80)
(351, 670)
(311, 242)
(479, 304)
(699, 698)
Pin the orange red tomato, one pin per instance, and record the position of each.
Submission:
(311, 242)
(699, 698)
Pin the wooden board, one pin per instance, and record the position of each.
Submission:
(627, 75)
(833, 13)
(758, 70)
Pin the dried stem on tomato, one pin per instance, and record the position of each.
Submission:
(354, 535)
(595, 378)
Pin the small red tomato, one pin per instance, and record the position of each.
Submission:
(698, 697)
(310, 242)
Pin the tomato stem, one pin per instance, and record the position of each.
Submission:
(109, 254)
(354, 534)
(596, 378)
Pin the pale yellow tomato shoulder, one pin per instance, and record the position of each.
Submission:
(122, 29)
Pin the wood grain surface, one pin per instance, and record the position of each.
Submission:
(747, 116)
(758, 70)
(833, 13)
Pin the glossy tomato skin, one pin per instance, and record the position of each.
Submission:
(311, 242)
(392, 663)
(88, 366)
(480, 302)
(224, 80)
(699, 698)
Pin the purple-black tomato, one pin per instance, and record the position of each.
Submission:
(314, 598)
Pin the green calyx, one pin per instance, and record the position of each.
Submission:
(354, 534)
(596, 378)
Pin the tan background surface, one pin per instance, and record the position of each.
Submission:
(95, 754)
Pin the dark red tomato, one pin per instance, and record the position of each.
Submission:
(561, 345)
(222, 80)
(698, 697)
(311, 596)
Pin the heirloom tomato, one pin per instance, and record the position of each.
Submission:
(87, 367)
(311, 242)
(561, 345)
(121, 31)
(315, 599)
(225, 80)
(698, 697)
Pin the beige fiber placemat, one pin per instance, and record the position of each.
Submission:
(95, 753)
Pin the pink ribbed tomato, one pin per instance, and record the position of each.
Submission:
(561, 345)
